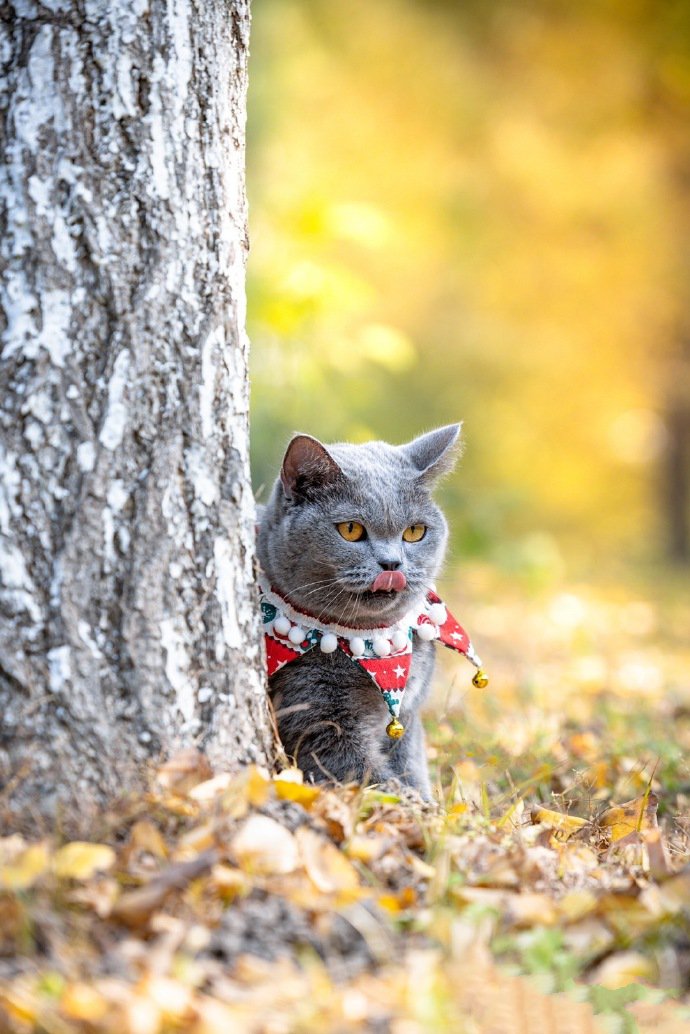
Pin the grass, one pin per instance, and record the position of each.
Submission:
(548, 891)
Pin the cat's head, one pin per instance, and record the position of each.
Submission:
(351, 533)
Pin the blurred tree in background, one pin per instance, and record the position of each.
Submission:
(481, 211)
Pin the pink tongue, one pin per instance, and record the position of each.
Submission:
(388, 581)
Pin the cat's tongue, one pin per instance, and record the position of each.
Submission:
(388, 581)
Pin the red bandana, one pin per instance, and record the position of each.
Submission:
(384, 653)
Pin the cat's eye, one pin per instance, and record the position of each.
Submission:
(415, 533)
(351, 531)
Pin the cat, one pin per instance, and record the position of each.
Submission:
(351, 536)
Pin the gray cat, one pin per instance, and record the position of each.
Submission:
(352, 537)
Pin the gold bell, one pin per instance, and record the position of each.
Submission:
(480, 680)
(395, 729)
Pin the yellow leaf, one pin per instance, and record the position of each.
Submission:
(26, 868)
(576, 904)
(80, 860)
(289, 788)
(83, 1002)
(632, 817)
(558, 820)
(207, 791)
(144, 836)
(529, 909)
(196, 840)
(185, 769)
(172, 997)
(229, 883)
(19, 1005)
(327, 866)
(262, 845)
(623, 968)
(366, 849)
(252, 786)
(397, 903)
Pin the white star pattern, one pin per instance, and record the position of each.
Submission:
(399, 672)
(456, 635)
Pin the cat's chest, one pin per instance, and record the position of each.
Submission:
(337, 675)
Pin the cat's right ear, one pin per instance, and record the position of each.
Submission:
(308, 468)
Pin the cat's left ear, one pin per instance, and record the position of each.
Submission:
(308, 468)
(434, 454)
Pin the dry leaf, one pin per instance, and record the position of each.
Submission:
(335, 813)
(25, 867)
(183, 771)
(83, 1002)
(136, 906)
(566, 824)
(80, 860)
(326, 866)
(262, 845)
(632, 817)
(289, 786)
(623, 968)
(211, 789)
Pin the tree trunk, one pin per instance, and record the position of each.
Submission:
(127, 613)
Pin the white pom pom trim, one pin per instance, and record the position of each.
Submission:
(427, 632)
(296, 634)
(357, 646)
(281, 625)
(328, 643)
(438, 613)
(399, 640)
(381, 646)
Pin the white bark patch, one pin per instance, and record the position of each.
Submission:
(86, 456)
(116, 413)
(85, 634)
(225, 579)
(177, 667)
(211, 349)
(9, 489)
(59, 668)
(205, 488)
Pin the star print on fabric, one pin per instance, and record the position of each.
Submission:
(388, 673)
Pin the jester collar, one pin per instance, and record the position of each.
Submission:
(384, 653)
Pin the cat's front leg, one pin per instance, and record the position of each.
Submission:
(408, 757)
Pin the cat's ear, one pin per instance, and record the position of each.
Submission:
(434, 454)
(308, 468)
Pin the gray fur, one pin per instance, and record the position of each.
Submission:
(331, 717)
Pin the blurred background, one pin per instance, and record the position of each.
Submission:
(481, 211)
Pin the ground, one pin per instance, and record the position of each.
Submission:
(547, 890)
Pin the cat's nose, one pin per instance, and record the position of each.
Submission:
(390, 565)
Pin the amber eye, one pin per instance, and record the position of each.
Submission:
(415, 533)
(352, 531)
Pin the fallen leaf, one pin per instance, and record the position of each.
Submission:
(527, 909)
(25, 868)
(262, 845)
(631, 817)
(567, 824)
(327, 867)
(211, 789)
(366, 848)
(184, 770)
(80, 860)
(135, 907)
(83, 1002)
(623, 968)
(289, 786)
(335, 813)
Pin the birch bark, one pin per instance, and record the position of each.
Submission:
(127, 614)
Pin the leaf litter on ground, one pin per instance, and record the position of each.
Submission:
(538, 897)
